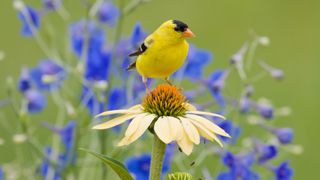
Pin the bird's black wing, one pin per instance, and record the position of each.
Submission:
(141, 50)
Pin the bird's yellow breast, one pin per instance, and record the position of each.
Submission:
(162, 58)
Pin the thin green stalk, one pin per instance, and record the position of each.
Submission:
(251, 53)
(158, 151)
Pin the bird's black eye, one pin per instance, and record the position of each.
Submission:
(180, 26)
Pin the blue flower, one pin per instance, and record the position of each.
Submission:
(283, 171)
(197, 59)
(98, 65)
(215, 83)
(233, 130)
(68, 135)
(137, 36)
(284, 135)
(51, 4)
(245, 104)
(92, 101)
(82, 29)
(265, 110)
(239, 167)
(26, 16)
(67, 156)
(46, 166)
(117, 99)
(108, 13)
(139, 165)
(1, 174)
(36, 101)
(48, 75)
(97, 75)
(24, 83)
(265, 151)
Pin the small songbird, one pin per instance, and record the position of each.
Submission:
(163, 52)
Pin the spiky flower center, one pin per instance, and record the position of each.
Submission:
(165, 100)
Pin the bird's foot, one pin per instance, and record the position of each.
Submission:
(145, 82)
(168, 81)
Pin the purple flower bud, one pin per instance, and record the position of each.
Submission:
(30, 19)
(277, 74)
(265, 110)
(284, 135)
(36, 101)
(238, 57)
(24, 81)
(108, 13)
(51, 4)
(245, 104)
(265, 151)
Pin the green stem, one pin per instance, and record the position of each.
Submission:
(158, 151)
(103, 146)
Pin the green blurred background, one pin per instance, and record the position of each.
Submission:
(221, 27)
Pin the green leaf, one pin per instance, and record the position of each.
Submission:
(117, 166)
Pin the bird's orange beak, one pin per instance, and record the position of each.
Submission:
(188, 33)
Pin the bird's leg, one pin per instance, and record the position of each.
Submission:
(167, 80)
(145, 82)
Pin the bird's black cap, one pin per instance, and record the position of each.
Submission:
(180, 26)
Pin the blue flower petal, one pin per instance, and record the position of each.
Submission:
(284, 135)
(1, 174)
(283, 171)
(36, 101)
(197, 59)
(117, 98)
(137, 36)
(48, 75)
(108, 13)
(32, 17)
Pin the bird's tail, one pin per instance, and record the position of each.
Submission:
(131, 66)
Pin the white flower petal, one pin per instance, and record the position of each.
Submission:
(143, 126)
(208, 124)
(206, 133)
(124, 141)
(206, 113)
(136, 107)
(175, 127)
(190, 107)
(190, 130)
(134, 124)
(185, 144)
(120, 111)
(163, 130)
(113, 122)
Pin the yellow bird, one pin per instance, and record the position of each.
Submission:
(163, 52)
